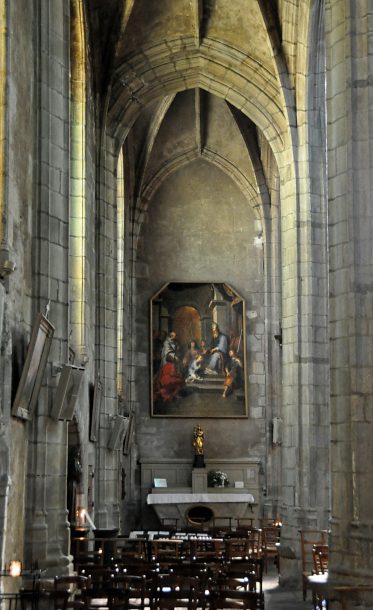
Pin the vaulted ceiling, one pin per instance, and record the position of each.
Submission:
(209, 78)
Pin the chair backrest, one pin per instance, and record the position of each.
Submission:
(250, 570)
(237, 548)
(71, 582)
(138, 568)
(200, 571)
(98, 575)
(320, 554)
(235, 598)
(168, 550)
(203, 549)
(131, 589)
(221, 526)
(131, 548)
(310, 537)
(70, 591)
(174, 591)
(244, 526)
(270, 537)
(254, 538)
(128, 582)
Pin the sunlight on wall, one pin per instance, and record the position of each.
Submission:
(120, 272)
(77, 183)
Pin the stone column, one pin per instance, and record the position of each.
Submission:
(305, 412)
(47, 531)
(5, 264)
(107, 481)
(349, 39)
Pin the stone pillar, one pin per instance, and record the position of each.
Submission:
(47, 531)
(107, 481)
(4, 493)
(349, 38)
(305, 411)
(4, 69)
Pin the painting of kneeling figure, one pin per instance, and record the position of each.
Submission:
(198, 351)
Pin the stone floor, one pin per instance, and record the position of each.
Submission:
(277, 598)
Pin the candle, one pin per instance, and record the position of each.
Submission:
(15, 568)
(90, 521)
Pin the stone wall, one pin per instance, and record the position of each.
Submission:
(200, 227)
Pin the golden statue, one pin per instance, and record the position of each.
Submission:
(198, 440)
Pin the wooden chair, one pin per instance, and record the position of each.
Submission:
(254, 538)
(320, 556)
(170, 591)
(320, 588)
(138, 568)
(70, 591)
(237, 548)
(128, 592)
(221, 527)
(270, 545)
(309, 538)
(207, 549)
(233, 598)
(100, 586)
(166, 551)
(89, 551)
(248, 573)
(129, 549)
(245, 523)
(204, 579)
(98, 575)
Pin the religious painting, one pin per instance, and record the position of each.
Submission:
(198, 351)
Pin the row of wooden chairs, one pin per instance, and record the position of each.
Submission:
(183, 586)
(262, 543)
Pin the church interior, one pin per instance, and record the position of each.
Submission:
(186, 245)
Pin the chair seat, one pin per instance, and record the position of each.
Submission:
(318, 579)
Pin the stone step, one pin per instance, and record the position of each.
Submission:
(206, 387)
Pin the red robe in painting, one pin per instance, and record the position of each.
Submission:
(170, 382)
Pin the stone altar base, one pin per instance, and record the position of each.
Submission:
(199, 480)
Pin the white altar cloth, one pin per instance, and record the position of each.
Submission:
(209, 498)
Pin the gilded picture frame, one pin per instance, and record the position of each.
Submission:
(198, 351)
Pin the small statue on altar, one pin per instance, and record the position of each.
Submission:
(198, 440)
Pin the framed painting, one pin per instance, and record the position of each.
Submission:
(198, 351)
(33, 369)
(96, 409)
(129, 434)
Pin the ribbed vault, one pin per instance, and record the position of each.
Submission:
(244, 55)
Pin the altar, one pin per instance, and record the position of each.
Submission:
(186, 488)
(171, 505)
